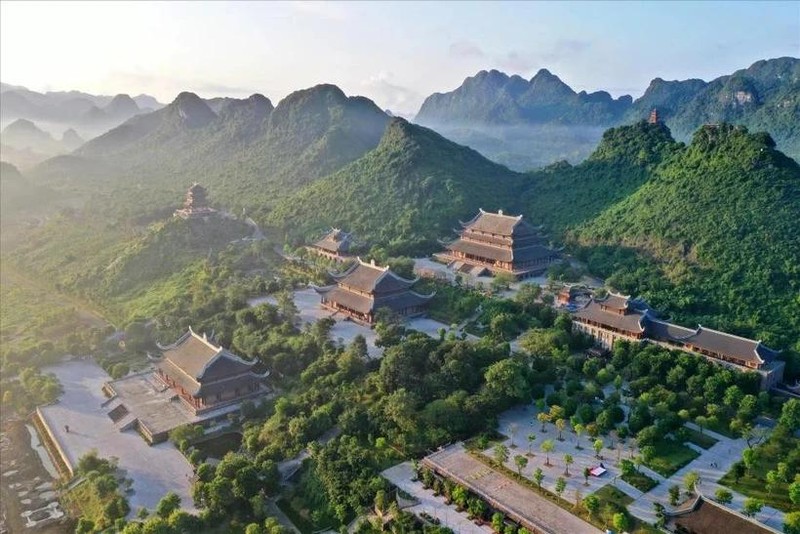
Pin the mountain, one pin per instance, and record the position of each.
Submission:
(250, 153)
(527, 124)
(55, 111)
(121, 107)
(24, 134)
(523, 123)
(409, 191)
(70, 140)
(495, 98)
(764, 96)
(715, 235)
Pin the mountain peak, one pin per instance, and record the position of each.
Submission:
(122, 106)
(191, 110)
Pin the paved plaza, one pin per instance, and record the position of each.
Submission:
(402, 475)
(155, 470)
(711, 465)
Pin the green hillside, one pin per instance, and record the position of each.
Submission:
(409, 191)
(249, 154)
(562, 195)
(712, 236)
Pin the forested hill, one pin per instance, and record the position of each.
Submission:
(562, 196)
(763, 97)
(716, 229)
(409, 191)
(247, 152)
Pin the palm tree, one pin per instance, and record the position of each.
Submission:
(568, 460)
(531, 439)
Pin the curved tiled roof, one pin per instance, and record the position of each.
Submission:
(633, 321)
(194, 360)
(335, 241)
(370, 278)
(500, 224)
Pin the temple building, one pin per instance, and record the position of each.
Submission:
(364, 288)
(196, 204)
(206, 376)
(334, 245)
(654, 118)
(611, 318)
(499, 243)
(614, 317)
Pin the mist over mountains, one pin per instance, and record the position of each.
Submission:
(527, 124)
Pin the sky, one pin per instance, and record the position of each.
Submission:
(393, 53)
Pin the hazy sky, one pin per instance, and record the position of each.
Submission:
(394, 53)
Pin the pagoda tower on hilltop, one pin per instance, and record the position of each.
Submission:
(654, 119)
(196, 204)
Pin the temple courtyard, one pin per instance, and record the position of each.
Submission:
(345, 330)
(79, 422)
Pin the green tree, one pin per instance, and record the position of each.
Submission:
(790, 415)
(168, 504)
(723, 496)
(794, 493)
(561, 485)
(592, 504)
(560, 425)
(791, 523)
(543, 418)
(531, 439)
(547, 447)
(521, 461)
(538, 476)
(568, 460)
(501, 453)
(597, 446)
(752, 506)
(674, 494)
(621, 522)
(498, 522)
(690, 481)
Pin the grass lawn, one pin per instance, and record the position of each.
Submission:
(612, 500)
(640, 481)
(670, 456)
(780, 447)
(701, 440)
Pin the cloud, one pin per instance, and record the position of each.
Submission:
(465, 49)
(388, 95)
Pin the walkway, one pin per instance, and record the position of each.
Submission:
(401, 476)
(517, 501)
